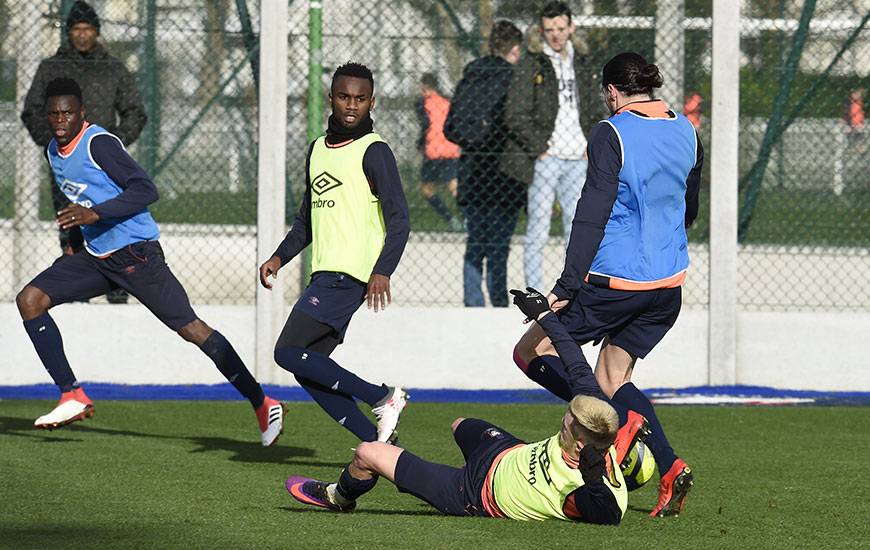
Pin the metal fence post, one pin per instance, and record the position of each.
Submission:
(271, 170)
(314, 106)
(150, 86)
(28, 160)
(722, 324)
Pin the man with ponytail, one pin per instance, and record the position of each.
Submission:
(569, 476)
(627, 257)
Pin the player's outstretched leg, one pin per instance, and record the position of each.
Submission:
(74, 405)
(270, 412)
(614, 374)
(370, 460)
(319, 368)
(535, 356)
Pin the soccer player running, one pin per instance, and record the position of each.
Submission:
(110, 194)
(569, 476)
(355, 216)
(627, 256)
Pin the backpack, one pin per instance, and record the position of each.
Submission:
(474, 121)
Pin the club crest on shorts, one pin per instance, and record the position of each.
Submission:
(492, 432)
(314, 301)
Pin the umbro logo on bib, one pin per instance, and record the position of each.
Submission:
(72, 190)
(324, 182)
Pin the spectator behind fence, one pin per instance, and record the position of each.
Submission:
(692, 108)
(853, 114)
(546, 116)
(491, 199)
(111, 101)
(440, 156)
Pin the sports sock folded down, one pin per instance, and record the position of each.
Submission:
(351, 488)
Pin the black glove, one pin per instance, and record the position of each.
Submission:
(591, 463)
(532, 303)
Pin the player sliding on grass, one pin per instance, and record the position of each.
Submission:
(110, 195)
(355, 216)
(627, 256)
(569, 476)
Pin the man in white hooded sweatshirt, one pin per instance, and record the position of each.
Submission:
(549, 132)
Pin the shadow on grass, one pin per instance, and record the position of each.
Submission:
(357, 512)
(242, 451)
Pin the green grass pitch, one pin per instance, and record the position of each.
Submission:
(160, 474)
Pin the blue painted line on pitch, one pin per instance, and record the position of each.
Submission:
(225, 392)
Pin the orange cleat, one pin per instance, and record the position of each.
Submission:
(635, 429)
(673, 488)
(73, 406)
(270, 415)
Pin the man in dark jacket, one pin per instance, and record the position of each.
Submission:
(553, 100)
(110, 95)
(491, 199)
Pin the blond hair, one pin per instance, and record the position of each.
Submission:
(596, 421)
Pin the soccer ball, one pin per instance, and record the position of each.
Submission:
(640, 468)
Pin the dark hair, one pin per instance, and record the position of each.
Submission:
(503, 37)
(430, 81)
(63, 86)
(555, 9)
(354, 70)
(631, 74)
(82, 12)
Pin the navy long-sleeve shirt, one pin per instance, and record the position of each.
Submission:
(581, 378)
(596, 203)
(379, 166)
(138, 189)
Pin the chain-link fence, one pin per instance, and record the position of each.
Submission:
(804, 187)
(803, 149)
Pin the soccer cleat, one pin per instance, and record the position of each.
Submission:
(387, 410)
(73, 406)
(270, 415)
(316, 493)
(636, 428)
(673, 488)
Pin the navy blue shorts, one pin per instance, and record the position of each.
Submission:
(634, 320)
(139, 269)
(438, 170)
(332, 298)
(456, 491)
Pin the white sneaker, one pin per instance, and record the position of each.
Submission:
(387, 410)
(73, 406)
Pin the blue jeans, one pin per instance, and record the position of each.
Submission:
(554, 178)
(489, 236)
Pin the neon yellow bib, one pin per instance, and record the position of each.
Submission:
(532, 482)
(347, 224)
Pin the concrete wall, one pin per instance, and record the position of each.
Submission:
(441, 348)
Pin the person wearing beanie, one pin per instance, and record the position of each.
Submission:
(110, 96)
